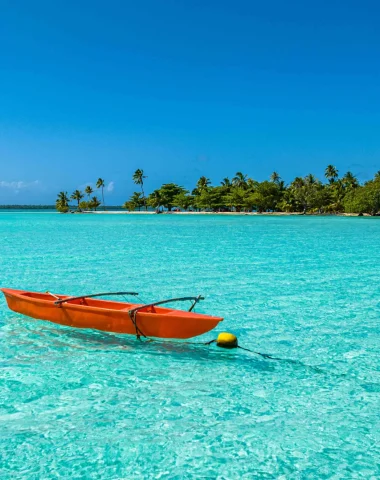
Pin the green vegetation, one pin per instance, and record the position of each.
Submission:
(136, 201)
(101, 184)
(364, 199)
(138, 178)
(94, 203)
(77, 195)
(88, 191)
(62, 202)
(243, 194)
(166, 195)
(307, 195)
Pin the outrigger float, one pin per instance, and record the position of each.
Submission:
(86, 311)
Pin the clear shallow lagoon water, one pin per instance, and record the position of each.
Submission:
(85, 404)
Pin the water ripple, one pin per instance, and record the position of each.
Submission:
(87, 404)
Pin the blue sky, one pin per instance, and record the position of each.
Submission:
(182, 89)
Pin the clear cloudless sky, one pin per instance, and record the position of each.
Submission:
(182, 89)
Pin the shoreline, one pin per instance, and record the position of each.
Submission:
(123, 212)
(272, 214)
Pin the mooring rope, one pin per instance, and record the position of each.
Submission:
(265, 355)
(133, 316)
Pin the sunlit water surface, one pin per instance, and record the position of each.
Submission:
(85, 404)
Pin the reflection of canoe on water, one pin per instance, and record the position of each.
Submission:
(120, 317)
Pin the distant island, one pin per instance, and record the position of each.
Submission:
(242, 194)
(27, 207)
(42, 207)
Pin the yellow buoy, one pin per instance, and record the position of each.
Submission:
(227, 340)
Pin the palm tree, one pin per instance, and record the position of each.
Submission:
(226, 182)
(275, 177)
(331, 173)
(338, 193)
(298, 182)
(63, 198)
(154, 200)
(94, 203)
(252, 184)
(88, 191)
(236, 198)
(239, 180)
(203, 183)
(62, 202)
(137, 200)
(77, 195)
(281, 186)
(138, 178)
(101, 184)
(349, 180)
(310, 179)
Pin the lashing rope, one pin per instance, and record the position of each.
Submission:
(133, 312)
(132, 315)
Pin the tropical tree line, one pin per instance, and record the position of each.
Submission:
(336, 194)
(62, 204)
(92, 203)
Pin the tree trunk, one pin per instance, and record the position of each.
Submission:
(143, 194)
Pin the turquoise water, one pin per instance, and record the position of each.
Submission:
(85, 404)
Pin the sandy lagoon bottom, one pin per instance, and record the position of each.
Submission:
(84, 404)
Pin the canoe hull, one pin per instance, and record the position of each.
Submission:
(110, 316)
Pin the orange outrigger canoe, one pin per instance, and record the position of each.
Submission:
(110, 316)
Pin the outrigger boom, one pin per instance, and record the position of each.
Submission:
(92, 295)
